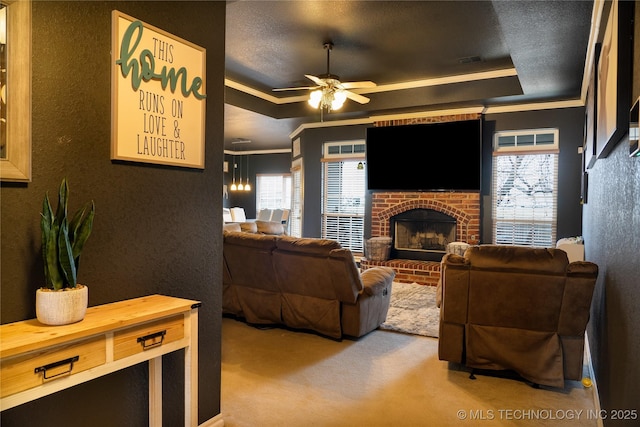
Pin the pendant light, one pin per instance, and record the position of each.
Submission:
(240, 186)
(234, 187)
(247, 187)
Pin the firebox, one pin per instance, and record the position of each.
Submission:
(421, 234)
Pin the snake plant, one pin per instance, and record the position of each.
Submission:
(63, 239)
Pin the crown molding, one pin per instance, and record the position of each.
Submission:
(265, 151)
(411, 84)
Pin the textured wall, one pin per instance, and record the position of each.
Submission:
(156, 228)
(612, 240)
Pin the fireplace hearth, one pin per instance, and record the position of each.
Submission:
(421, 234)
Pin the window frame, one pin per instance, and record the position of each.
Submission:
(344, 226)
(527, 222)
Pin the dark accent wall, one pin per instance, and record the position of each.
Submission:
(612, 240)
(311, 142)
(157, 229)
(274, 163)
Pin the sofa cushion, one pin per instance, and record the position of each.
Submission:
(269, 227)
(309, 246)
(249, 227)
(524, 259)
(232, 226)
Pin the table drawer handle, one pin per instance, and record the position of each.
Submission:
(70, 361)
(143, 340)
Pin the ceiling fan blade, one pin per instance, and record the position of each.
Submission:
(294, 88)
(355, 97)
(357, 85)
(316, 80)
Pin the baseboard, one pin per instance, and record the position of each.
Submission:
(592, 376)
(216, 421)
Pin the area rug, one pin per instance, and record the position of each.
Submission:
(412, 310)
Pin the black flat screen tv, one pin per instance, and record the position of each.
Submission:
(425, 157)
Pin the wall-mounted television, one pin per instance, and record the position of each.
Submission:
(425, 157)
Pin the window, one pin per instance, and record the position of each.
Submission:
(295, 218)
(273, 191)
(343, 194)
(525, 188)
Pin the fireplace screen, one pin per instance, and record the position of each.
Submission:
(422, 234)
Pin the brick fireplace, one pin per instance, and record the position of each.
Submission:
(462, 206)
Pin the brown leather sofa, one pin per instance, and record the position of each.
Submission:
(516, 308)
(302, 283)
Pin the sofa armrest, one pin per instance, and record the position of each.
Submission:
(448, 260)
(576, 301)
(376, 279)
(582, 268)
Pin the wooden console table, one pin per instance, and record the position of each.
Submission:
(37, 360)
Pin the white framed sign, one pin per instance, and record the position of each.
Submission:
(158, 95)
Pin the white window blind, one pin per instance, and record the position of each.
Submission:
(343, 203)
(525, 192)
(295, 218)
(273, 191)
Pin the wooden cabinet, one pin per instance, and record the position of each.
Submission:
(37, 360)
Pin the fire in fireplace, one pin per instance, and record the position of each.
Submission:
(421, 234)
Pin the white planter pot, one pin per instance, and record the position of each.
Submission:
(61, 307)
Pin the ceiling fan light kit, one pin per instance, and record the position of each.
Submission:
(329, 98)
(330, 94)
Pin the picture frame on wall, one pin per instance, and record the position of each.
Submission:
(613, 85)
(584, 187)
(158, 95)
(589, 151)
(15, 144)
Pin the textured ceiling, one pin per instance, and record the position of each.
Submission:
(424, 55)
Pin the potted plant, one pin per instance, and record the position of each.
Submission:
(62, 300)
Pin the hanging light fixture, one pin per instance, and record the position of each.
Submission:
(234, 187)
(360, 166)
(329, 93)
(240, 186)
(247, 186)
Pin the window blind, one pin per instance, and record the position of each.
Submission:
(273, 191)
(295, 218)
(525, 191)
(343, 203)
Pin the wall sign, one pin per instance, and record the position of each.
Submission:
(158, 95)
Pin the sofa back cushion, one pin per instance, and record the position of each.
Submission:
(249, 227)
(248, 258)
(319, 268)
(515, 258)
(232, 226)
(270, 227)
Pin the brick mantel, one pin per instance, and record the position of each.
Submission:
(464, 207)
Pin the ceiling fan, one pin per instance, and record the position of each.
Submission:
(329, 92)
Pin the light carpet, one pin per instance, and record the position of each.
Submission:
(412, 310)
